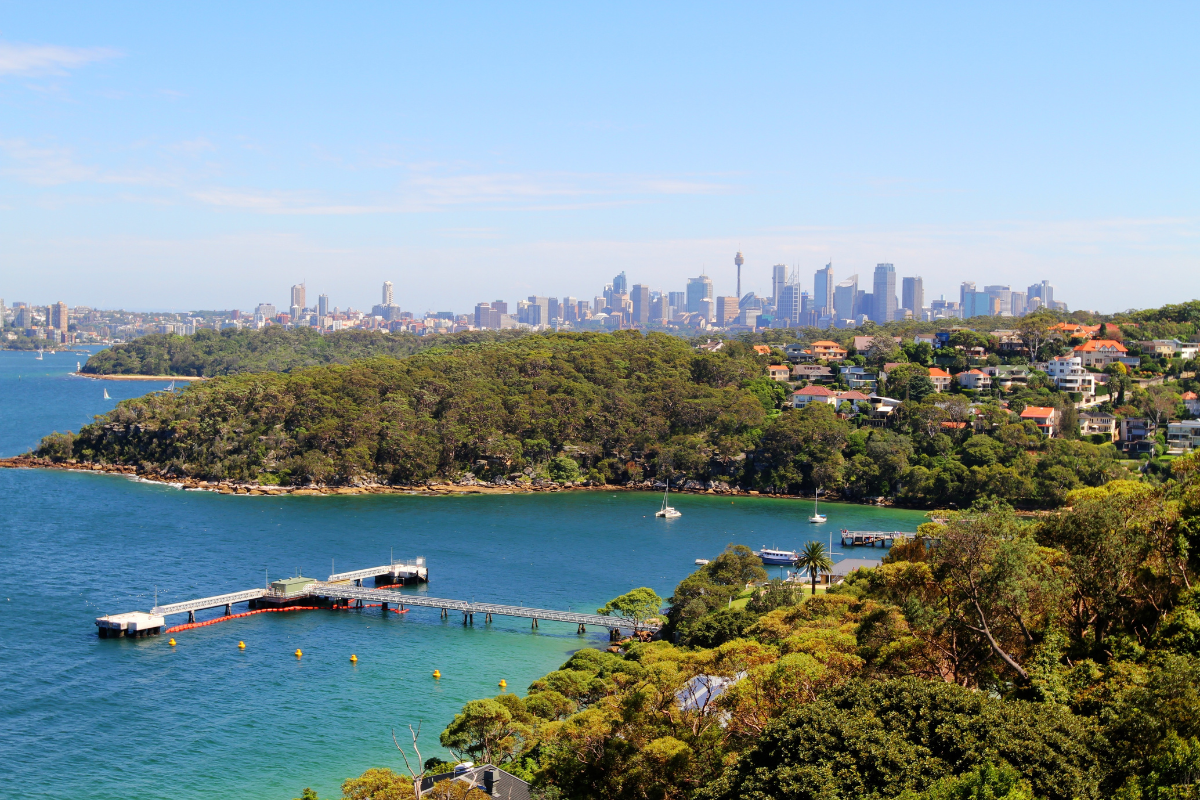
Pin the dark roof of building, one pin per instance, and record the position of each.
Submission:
(504, 785)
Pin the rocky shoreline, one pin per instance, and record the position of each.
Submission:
(434, 486)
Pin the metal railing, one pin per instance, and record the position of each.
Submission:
(208, 602)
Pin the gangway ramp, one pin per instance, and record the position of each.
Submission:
(398, 570)
(202, 603)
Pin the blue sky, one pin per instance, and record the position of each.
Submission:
(162, 156)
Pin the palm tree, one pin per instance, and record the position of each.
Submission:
(813, 560)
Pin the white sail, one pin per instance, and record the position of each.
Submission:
(106, 397)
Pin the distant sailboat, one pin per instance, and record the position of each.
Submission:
(106, 397)
(817, 516)
(667, 512)
(171, 388)
(39, 356)
(78, 366)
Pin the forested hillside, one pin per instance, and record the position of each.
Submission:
(209, 353)
(993, 658)
(608, 408)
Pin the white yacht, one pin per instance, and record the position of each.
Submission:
(667, 511)
(817, 516)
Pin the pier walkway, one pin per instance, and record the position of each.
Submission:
(874, 538)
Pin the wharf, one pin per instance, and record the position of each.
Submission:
(874, 538)
(345, 590)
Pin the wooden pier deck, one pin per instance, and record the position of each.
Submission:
(874, 538)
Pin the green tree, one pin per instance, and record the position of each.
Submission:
(563, 468)
(814, 560)
(636, 606)
(485, 730)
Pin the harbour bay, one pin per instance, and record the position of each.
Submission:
(140, 718)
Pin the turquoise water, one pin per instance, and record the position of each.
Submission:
(82, 717)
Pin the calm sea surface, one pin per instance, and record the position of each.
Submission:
(82, 717)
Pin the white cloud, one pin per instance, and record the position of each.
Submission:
(48, 59)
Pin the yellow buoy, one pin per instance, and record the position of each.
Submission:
(437, 674)
(503, 683)
(298, 653)
(353, 659)
(172, 643)
(241, 645)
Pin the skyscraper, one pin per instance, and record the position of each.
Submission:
(727, 310)
(913, 295)
(845, 297)
(698, 289)
(1003, 297)
(641, 304)
(883, 294)
(965, 289)
(738, 261)
(779, 277)
(620, 284)
(1044, 291)
(298, 296)
(387, 293)
(58, 317)
(790, 305)
(708, 308)
(323, 305)
(677, 301)
(823, 291)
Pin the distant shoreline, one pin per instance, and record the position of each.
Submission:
(442, 487)
(187, 378)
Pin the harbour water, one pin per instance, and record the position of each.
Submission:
(133, 720)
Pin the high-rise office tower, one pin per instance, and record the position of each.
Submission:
(779, 277)
(641, 304)
(738, 261)
(978, 304)
(790, 304)
(727, 310)
(388, 298)
(554, 311)
(965, 289)
(500, 306)
(913, 295)
(570, 309)
(486, 316)
(845, 296)
(823, 290)
(323, 305)
(1003, 299)
(883, 294)
(620, 284)
(298, 295)
(677, 301)
(1044, 291)
(698, 289)
(1, 313)
(543, 312)
(708, 308)
(1019, 300)
(660, 310)
(58, 317)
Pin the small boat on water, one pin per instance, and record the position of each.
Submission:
(779, 558)
(667, 511)
(106, 397)
(701, 562)
(40, 356)
(817, 516)
(171, 388)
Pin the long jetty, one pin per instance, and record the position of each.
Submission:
(345, 590)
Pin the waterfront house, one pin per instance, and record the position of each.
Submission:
(974, 379)
(1099, 353)
(940, 378)
(858, 378)
(847, 402)
(813, 394)
(1137, 435)
(1045, 417)
(827, 351)
(779, 373)
(1068, 374)
(1183, 436)
(489, 779)
(813, 373)
(1093, 422)
(1192, 403)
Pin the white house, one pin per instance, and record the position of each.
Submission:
(1068, 374)
(813, 394)
(974, 379)
(1183, 436)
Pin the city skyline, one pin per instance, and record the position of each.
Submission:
(545, 153)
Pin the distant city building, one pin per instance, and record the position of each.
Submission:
(388, 298)
(1002, 295)
(323, 305)
(790, 306)
(845, 297)
(698, 289)
(823, 290)
(913, 295)
(487, 317)
(707, 309)
(59, 318)
(737, 262)
(265, 310)
(884, 294)
(1044, 292)
(298, 296)
(641, 304)
(620, 284)
(779, 279)
(967, 287)
(677, 301)
(727, 310)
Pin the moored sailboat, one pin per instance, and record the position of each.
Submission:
(817, 516)
(667, 511)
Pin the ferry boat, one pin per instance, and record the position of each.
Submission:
(773, 557)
